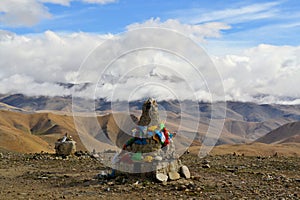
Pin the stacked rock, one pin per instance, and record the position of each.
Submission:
(65, 146)
(151, 148)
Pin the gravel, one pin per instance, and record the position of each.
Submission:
(45, 176)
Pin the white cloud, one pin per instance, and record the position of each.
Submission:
(16, 13)
(42, 59)
(231, 15)
(67, 2)
(18, 83)
(50, 57)
(264, 73)
(33, 64)
(22, 13)
(61, 2)
(197, 32)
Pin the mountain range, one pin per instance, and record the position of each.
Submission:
(31, 124)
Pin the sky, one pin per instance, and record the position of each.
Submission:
(255, 45)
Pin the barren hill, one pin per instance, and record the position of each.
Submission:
(240, 111)
(250, 131)
(35, 132)
(37, 103)
(4, 106)
(258, 149)
(32, 132)
(245, 121)
(49, 119)
(284, 134)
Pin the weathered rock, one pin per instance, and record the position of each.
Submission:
(185, 172)
(148, 159)
(204, 162)
(206, 166)
(158, 158)
(96, 156)
(65, 148)
(173, 166)
(161, 177)
(174, 176)
(232, 170)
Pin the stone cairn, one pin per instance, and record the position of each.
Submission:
(65, 146)
(151, 150)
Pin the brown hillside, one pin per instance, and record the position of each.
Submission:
(284, 134)
(4, 106)
(35, 132)
(39, 131)
(15, 134)
(254, 149)
(242, 131)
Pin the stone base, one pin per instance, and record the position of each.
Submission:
(155, 155)
(159, 170)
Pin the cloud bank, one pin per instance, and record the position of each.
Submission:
(34, 64)
(264, 73)
(197, 32)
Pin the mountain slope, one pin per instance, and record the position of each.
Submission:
(34, 132)
(252, 130)
(38, 103)
(240, 111)
(284, 134)
(15, 134)
(4, 106)
(245, 122)
(256, 149)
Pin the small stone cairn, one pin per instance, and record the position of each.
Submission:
(151, 150)
(65, 146)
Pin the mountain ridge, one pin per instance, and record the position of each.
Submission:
(289, 132)
(243, 111)
(50, 117)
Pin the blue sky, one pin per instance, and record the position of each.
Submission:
(252, 22)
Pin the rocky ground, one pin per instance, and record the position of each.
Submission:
(45, 176)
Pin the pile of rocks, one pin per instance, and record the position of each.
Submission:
(65, 146)
(151, 150)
